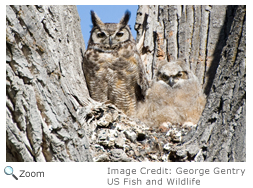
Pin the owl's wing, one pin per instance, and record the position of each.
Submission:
(95, 82)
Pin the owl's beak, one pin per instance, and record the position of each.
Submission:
(110, 41)
(171, 81)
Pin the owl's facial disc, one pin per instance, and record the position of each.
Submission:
(120, 36)
(110, 40)
(180, 76)
(172, 80)
(168, 79)
(101, 37)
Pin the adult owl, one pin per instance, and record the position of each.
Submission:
(175, 96)
(112, 66)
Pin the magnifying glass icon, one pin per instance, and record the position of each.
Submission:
(9, 171)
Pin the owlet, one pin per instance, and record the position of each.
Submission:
(176, 96)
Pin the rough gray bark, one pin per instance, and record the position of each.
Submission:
(50, 116)
(213, 40)
(45, 89)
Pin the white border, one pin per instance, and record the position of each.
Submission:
(95, 174)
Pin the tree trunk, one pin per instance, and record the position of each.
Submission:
(213, 40)
(50, 116)
(45, 88)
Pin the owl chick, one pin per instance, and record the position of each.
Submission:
(175, 96)
(112, 65)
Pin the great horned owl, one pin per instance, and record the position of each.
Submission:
(175, 96)
(112, 66)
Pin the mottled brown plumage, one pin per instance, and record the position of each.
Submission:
(112, 66)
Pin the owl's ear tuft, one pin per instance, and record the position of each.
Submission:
(124, 20)
(95, 19)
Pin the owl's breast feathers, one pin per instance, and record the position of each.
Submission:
(124, 59)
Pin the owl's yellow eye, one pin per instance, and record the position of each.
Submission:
(164, 77)
(100, 34)
(180, 74)
(119, 34)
